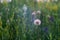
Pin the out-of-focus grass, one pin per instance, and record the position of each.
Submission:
(18, 27)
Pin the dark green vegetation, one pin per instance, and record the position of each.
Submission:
(14, 26)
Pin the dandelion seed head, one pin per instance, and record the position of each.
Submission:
(37, 22)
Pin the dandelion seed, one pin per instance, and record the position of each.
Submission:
(37, 22)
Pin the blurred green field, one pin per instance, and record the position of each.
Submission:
(17, 21)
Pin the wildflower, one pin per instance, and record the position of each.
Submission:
(24, 8)
(37, 22)
(38, 12)
(33, 13)
(51, 18)
(45, 29)
(33, 16)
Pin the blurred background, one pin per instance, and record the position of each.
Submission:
(29, 19)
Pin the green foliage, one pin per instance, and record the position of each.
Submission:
(13, 25)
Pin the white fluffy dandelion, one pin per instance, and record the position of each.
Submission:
(37, 22)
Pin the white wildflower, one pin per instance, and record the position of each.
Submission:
(37, 22)
(24, 8)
